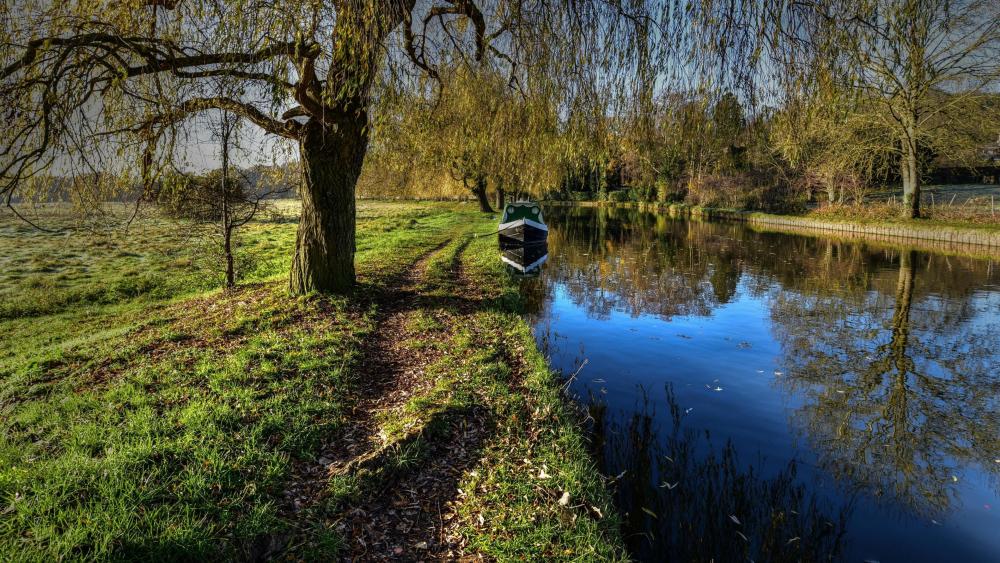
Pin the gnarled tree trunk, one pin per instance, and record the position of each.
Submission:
(324, 246)
(501, 198)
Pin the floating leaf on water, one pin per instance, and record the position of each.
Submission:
(935, 522)
(688, 411)
(778, 373)
(650, 512)
(740, 534)
(669, 486)
(954, 478)
(668, 458)
(735, 519)
(793, 540)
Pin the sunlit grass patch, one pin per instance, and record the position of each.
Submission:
(175, 445)
(973, 213)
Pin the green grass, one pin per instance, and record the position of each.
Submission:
(166, 420)
(512, 509)
(510, 506)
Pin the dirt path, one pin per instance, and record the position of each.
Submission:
(405, 510)
(413, 518)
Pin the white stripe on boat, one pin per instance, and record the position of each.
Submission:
(519, 222)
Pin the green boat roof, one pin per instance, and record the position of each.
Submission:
(522, 210)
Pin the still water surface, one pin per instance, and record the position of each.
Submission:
(776, 397)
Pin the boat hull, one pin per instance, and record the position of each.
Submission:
(522, 232)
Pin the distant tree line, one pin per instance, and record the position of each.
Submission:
(824, 103)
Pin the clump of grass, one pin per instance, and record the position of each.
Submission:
(424, 320)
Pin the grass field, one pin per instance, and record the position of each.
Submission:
(146, 414)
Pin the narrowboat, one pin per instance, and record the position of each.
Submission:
(522, 222)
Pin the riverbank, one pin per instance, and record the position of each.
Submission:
(414, 419)
(976, 240)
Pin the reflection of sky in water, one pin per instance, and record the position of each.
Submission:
(732, 373)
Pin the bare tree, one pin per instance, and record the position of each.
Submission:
(222, 201)
(917, 72)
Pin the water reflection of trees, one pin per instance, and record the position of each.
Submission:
(681, 496)
(639, 263)
(893, 351)
(900, 383)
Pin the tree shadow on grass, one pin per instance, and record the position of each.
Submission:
(402, 503)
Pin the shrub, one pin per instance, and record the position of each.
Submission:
(755, 190)
(644, 192)
(668, 191)
(620, 196)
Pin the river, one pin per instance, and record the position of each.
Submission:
(777, 397)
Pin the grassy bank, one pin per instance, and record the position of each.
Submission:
(175, 421)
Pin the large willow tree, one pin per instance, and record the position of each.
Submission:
(104, 86)
(478, 132)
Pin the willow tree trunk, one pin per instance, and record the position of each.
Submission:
(501, 198)
(324, 247)
(484, 202)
